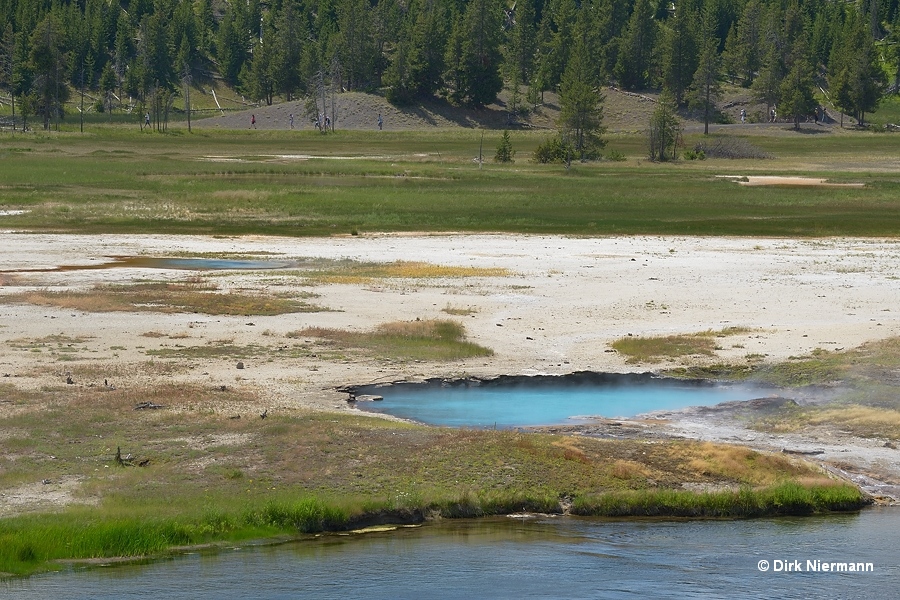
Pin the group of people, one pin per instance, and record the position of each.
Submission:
(319, 122)
(820, 115)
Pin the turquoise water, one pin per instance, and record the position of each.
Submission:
(545, 557)
(547, 402)
(204, 264)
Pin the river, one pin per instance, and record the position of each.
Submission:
(534, 557)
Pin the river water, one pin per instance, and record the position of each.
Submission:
(541, 557)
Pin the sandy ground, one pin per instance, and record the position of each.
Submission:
(565, 301)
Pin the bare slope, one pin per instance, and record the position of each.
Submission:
(623, 112)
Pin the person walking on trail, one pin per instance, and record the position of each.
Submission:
(380, 122)
(743, 116)
(252, 121)
(291, 120)
(147, 119)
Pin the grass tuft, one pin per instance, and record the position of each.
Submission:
(782, 499)
(459, 311)
(352, 272)
(166, 297)
(438, 340)
(640, 349)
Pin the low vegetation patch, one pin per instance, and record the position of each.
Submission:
(211, 350)
(730, 147)
(640, 349)
(854, 419)
(459, 311)
(783, 499)
(196, 295)
(438, 340)
(352, 272)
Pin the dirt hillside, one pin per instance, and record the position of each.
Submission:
(623, 111)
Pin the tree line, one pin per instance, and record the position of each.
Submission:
(144, 53)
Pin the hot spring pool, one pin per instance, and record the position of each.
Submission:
(508, 402)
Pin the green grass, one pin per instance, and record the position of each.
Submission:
(783, 499)
(198, 296)
(30, 543)
(888, 112)
(111, 180)
(435, 340)
(640, 349)
(33, 543)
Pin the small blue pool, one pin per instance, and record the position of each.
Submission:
(508, 402)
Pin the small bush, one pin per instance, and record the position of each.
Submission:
(728, 147)
(554, 150)
(615, 155)
(694, 155)
(505, 150)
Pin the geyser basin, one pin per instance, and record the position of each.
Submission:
(510, 401)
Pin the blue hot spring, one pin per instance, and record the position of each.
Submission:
(508, 402)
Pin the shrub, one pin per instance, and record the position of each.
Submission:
(729, 147)
(554, 150)
(694, 155)
(505, 150)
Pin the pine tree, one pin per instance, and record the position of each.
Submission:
(108, 86)
(706, 88)
(47, 63)
(581, 106)
(7, 63)
(256, 77)
(540, 78)
(355, 43)
(665, 128)
(505, 150)
(767, 86)
(796, 94)
(679, 60)
(473, 65)
(417, 64)
(856, 79)
(287, 53)
(744, 55)
(454, 75)
(232, 46)
(520, 42)
(635, 62)
(564, 13)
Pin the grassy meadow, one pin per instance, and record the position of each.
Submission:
(112, 179)
(209, 476)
